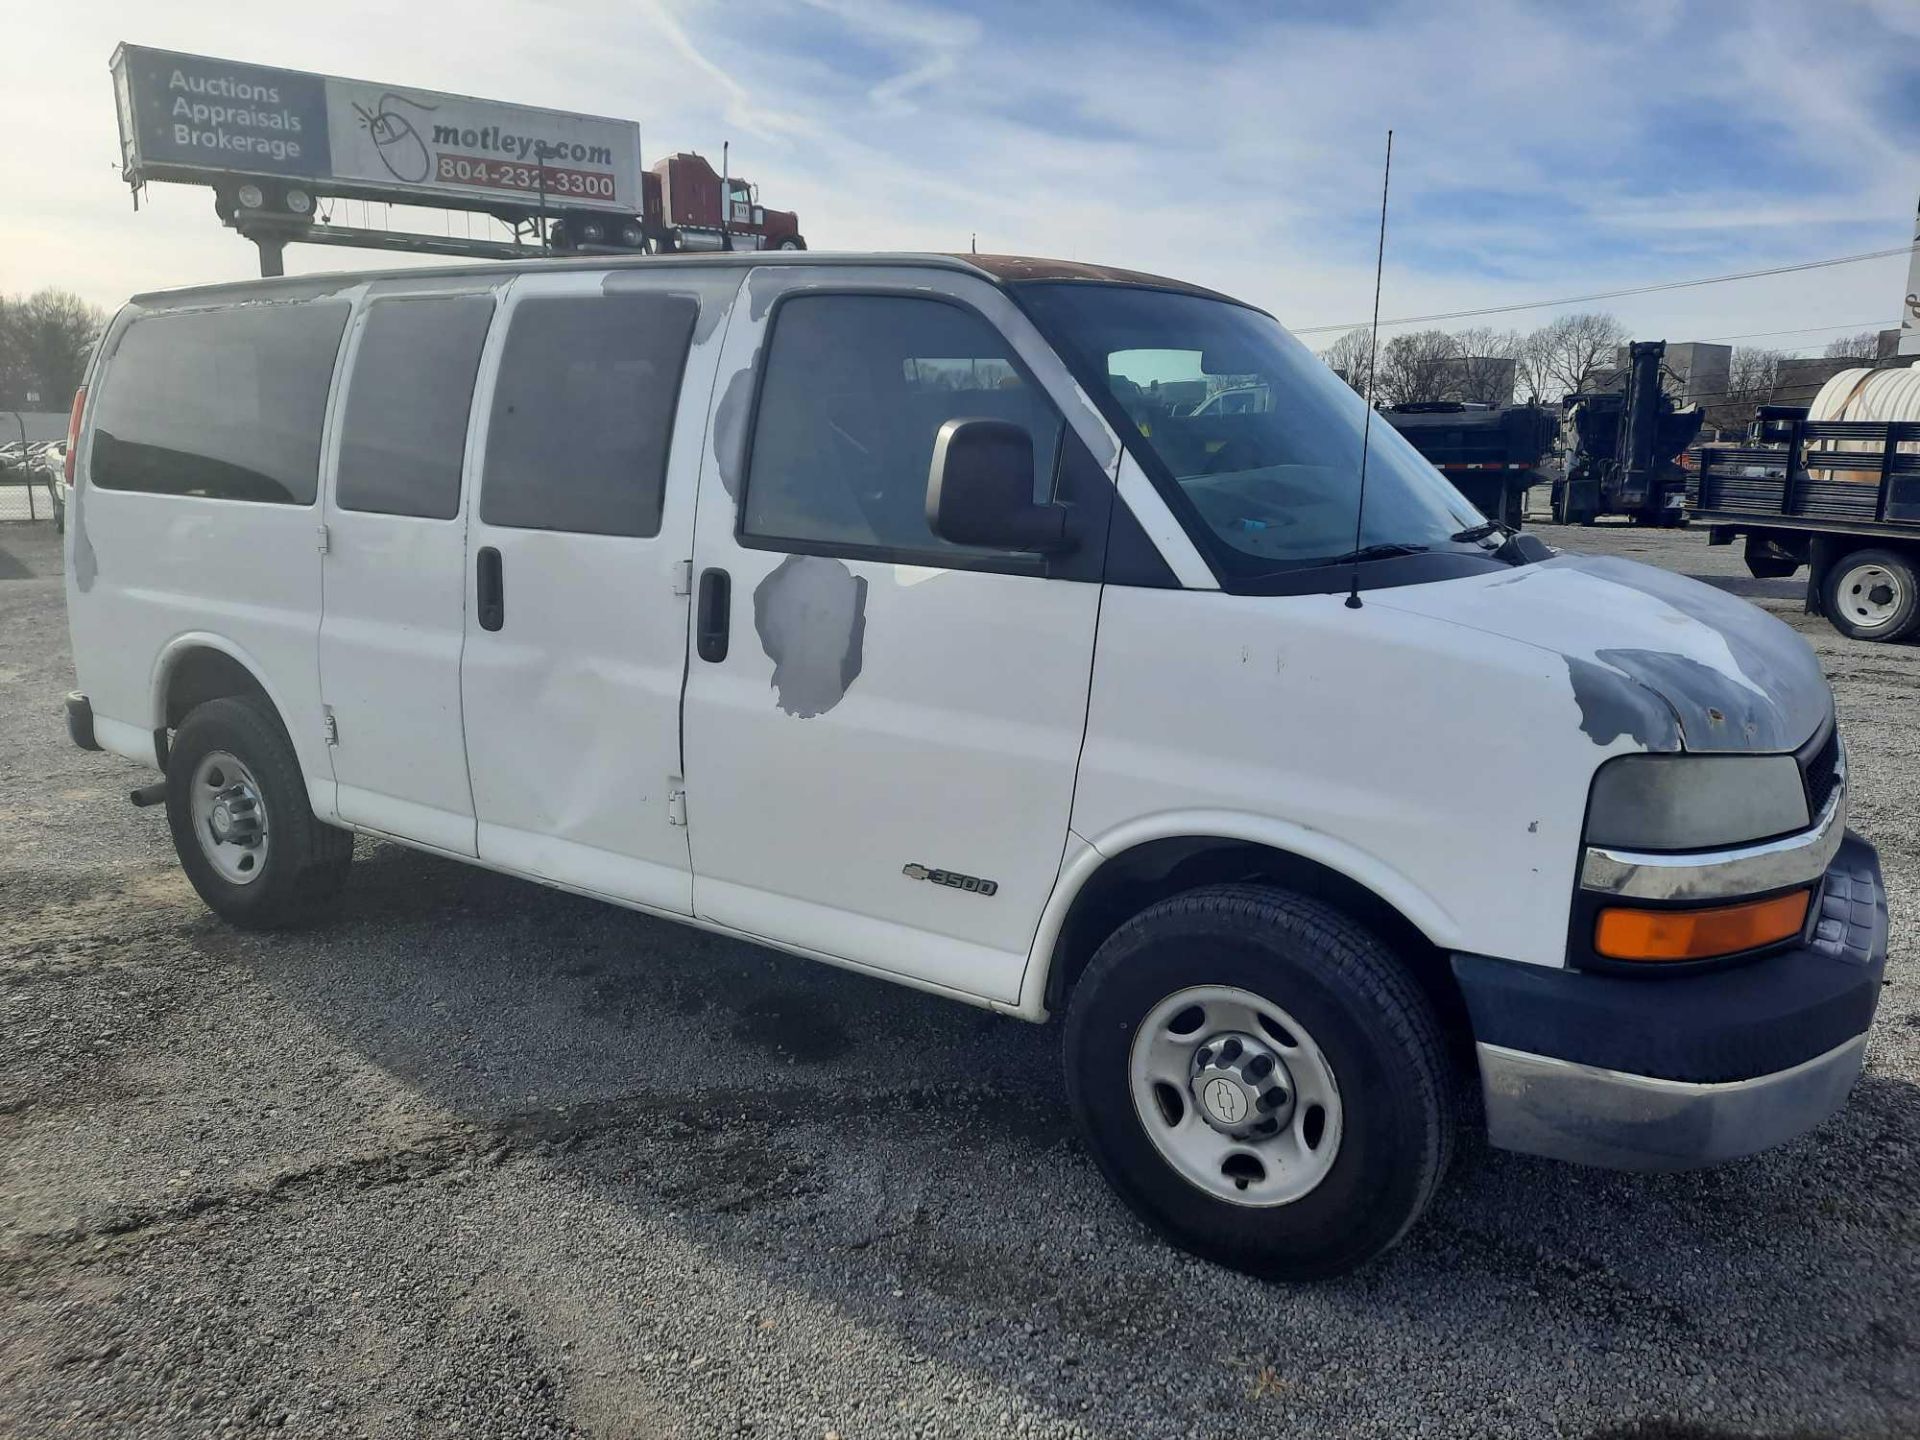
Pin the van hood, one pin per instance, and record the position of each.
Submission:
(1666, 661)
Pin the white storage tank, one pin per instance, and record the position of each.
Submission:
(1865, 394)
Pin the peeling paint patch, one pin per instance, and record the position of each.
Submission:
(811, 615)
(763, 287)
(730, 427)
(86, 568)
(1716, 712)
(712, 317)
(1785, 697)
(1612, 704)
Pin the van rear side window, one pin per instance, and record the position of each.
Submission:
(226, 404)
(583, 413)
(404, 436)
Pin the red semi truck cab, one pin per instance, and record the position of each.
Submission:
(689, 207)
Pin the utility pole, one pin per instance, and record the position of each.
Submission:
(540, 159)
(273, 253)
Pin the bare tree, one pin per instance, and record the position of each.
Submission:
(1752, 375)
(1567, 352)
(1531, 382)
(1485, 364)
(1864, 345)
(44, 342)
(1349, 356)
(1415, 368)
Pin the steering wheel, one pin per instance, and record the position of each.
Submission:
(1238, 453)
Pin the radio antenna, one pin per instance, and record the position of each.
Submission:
(1373, 347)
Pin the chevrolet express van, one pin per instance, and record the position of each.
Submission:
(908, 613)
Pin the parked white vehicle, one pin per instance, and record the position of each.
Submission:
(872, 608)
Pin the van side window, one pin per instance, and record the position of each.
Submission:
(404, 434)
(583, 413)
(855, 391)
(227, 404)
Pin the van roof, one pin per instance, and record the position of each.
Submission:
(1001, 269)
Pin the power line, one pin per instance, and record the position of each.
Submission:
(1874, 325)
(1617, 294)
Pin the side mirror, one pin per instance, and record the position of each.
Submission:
(980, 490)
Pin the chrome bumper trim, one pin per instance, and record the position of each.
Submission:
(1721, 874)
(1542, 1106)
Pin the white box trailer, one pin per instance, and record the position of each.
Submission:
(202, 120)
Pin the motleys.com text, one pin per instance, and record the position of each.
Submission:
(520, 147)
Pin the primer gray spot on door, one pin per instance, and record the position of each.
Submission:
(85, 567)
(811, 615)
(1612, 705)
(730, 426)
(763, 286)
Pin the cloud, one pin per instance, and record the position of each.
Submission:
(1538, 149)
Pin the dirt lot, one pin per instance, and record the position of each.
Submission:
(482, 1158)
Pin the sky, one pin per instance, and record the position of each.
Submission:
(1540, 149)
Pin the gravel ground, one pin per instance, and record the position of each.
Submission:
(482, 1158)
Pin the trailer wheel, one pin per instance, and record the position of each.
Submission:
(1873, 595)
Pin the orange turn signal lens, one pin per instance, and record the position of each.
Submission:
(1622, 934)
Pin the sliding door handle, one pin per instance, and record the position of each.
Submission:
(714, 615)
(490, 590)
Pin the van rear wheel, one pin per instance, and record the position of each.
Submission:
(1261, 1081)
(243, 829)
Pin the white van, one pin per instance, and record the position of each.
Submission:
(906, 613)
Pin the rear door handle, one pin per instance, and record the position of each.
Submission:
(714, 615)
(490, 590)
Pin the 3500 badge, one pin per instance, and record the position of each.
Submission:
(953, 880)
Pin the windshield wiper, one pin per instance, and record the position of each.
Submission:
(1480, 532)
(1384, 551)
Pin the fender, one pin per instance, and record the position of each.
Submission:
(320, 788)
(1086, 856)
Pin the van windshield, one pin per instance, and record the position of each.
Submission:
(1258, 435)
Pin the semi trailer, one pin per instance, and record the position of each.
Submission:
(274, 144)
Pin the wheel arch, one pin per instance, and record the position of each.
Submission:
(1109, 881)
(200, 666)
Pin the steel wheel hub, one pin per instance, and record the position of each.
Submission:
(229, 817)
(1235, 1095)
(1241, 1086)
(1870, 594)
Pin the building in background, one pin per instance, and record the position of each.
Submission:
(1479, 379)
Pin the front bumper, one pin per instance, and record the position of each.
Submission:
(1672, 1072)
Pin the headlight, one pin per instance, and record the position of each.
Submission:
(1695, 802)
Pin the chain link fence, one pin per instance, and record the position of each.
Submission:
(32, 496)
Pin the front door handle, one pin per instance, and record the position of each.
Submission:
(490, 590)
(714, 616)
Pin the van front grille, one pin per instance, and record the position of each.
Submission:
(1823, 773)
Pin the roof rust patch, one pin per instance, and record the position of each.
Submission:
(1012, 268)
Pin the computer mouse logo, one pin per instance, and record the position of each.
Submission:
(395, 140)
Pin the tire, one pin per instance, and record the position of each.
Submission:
(1873, 594)
(792, 242)
(1391, 1119)
(296, 865)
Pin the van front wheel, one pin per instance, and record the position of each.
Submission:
(1261, 1081)
(237, 806)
